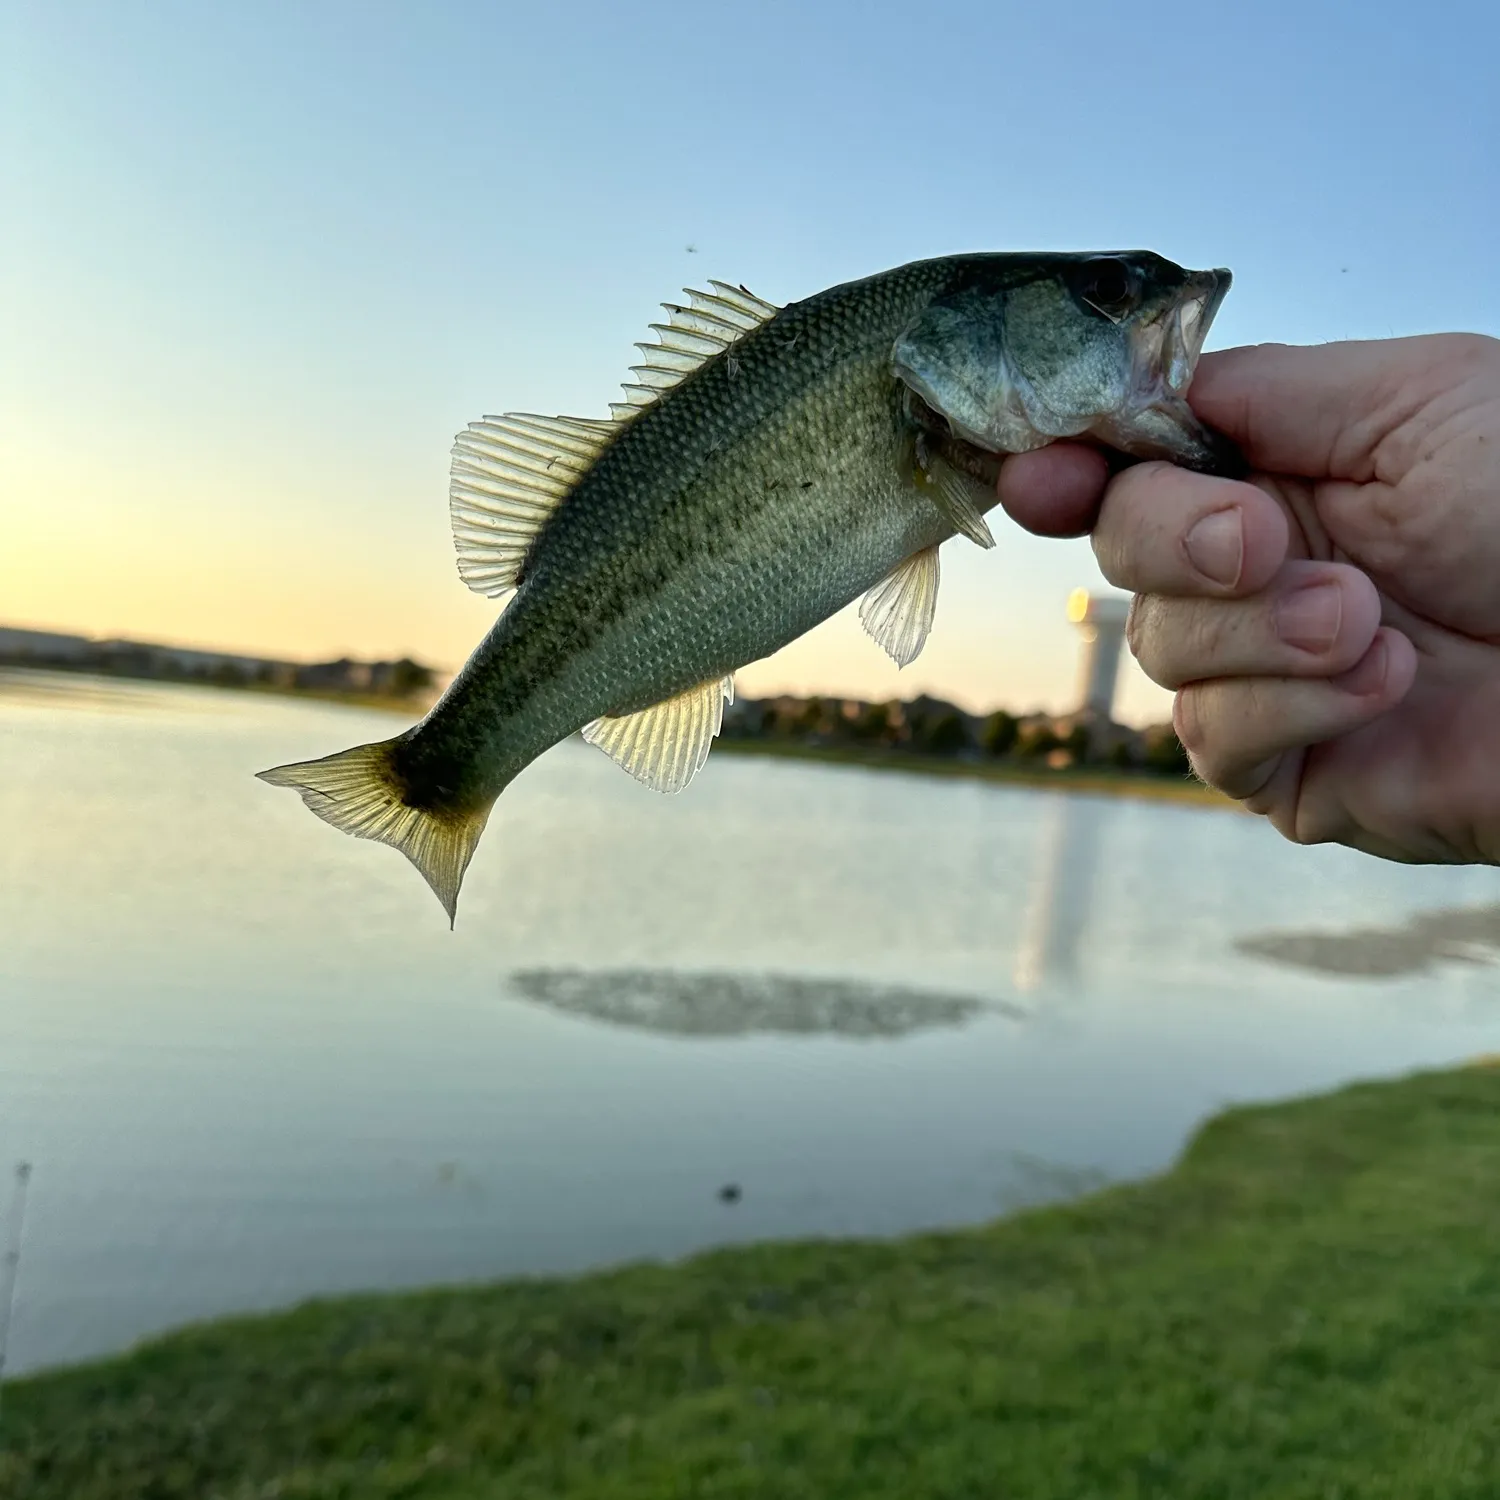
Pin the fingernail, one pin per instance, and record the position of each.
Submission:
(1216, 546)
(1309, 619)
(1369, 676)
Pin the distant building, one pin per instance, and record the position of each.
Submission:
(337, 676)
(42, 645)
(1100, 619)
(146, 659)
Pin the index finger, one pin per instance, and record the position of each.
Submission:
(1164, 530)
(1321, 411)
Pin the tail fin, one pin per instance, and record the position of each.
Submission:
(359, 792)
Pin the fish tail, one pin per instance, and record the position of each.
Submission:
(360, 791)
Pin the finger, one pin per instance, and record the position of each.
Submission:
(1314, 620)
(1054, 491)
(1322, 410)
(1236, 730)
(1163, 530)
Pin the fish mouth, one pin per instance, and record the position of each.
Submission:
(1158, 422)
(1187, 325)
(1146, 415)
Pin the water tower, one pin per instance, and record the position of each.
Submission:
(1055, 933)
(1100, 619)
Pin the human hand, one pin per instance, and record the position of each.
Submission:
(1331, 628)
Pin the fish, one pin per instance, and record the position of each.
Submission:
(768, 466)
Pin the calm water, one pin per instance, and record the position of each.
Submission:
(251, 1063)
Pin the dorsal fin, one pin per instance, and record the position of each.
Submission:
(690, 337)
(510, 473)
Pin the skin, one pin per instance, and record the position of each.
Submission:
(1330, 627)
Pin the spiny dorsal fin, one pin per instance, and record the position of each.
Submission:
(665, 745)
(898, 611)
(508, 475)
(690, 337)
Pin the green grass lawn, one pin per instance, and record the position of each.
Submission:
(1307, 1305)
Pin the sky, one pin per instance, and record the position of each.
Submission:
(259, 263)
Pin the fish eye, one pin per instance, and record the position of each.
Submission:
(1109, 286)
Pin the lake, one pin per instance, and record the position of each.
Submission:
(250, 1063)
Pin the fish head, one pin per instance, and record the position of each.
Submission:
(1019, 351)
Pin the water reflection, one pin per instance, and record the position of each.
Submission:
(1465, 934)
(175, 947)
(1063, 895)
(678, 1004)
(23, 687)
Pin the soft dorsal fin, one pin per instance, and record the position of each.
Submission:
(690, 337)
(898, 611)
(666, 745)
(510, 473)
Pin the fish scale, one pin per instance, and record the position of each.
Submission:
(770, 467)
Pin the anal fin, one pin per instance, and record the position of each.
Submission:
(898, 611)
(665, 745)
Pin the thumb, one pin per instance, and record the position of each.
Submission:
(1054, 491)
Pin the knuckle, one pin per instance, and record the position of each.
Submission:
(1201, 638)
(1129, 521)
(1149, 634)
(1203, 716)
(1109, 550)
(1136, 623)
(1316, 820)
(1176, 641)
(1469, 353)
(1187, 721)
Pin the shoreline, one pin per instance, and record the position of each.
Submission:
(1312, 1283)
(1096, 780)
(414, 706)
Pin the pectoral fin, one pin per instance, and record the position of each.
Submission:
(960, 499)
(665, 745)
(898, 611)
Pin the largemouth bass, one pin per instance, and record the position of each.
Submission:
(768, 467)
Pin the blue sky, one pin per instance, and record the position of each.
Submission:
(262, 261)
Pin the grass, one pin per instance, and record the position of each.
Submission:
(1307, 1306)
(1096, 779)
